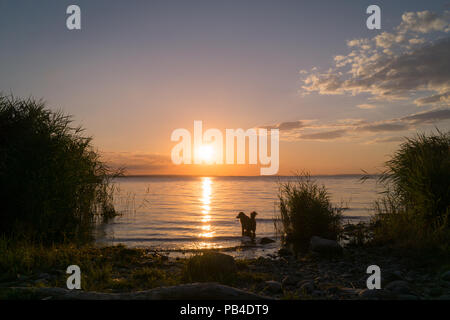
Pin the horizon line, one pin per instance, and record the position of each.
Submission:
(244, 176)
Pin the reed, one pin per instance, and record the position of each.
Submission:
(53, 185)
(306, 211)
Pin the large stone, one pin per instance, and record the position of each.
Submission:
(399, 287)
(192, 291)
(325, 246)
(407, 297)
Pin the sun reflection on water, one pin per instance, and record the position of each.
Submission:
(206, 209)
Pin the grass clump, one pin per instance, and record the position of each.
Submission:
(306, 211)
(414, 211)
(210, 266)
(53, 184)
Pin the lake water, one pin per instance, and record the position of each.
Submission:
(178, 213)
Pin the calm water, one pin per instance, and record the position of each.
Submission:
(199, 212)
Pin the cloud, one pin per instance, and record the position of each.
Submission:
(328, 135)
(137, 162)
(393, 65)
(289, 125)
(424, 22)
(384, 126)
(428, 116)
(358, 129)
(443, 98)
(386, 140)
(366, 106)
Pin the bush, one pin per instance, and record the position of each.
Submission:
(306, 211)
(414, 211)
(52, 182)
(210, 266)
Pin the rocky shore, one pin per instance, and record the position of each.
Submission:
(276, 276)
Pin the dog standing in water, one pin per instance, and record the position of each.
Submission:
(248, 224)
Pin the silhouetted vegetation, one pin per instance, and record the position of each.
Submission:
(414, 211)
(306, 211)
(52, 183)
(210, 266)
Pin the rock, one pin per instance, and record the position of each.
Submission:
(191, 291)
(273, 286)
(42, 282)
(349, 291)
(306, 286)
(289, 280)
(333, 290)
(390, 276)
(266, 240)
(446, 276)
(398, 287)
(317, 293)
(373, 294)
(325, 246)
(435, 292)
(407, 297)
(284, 252)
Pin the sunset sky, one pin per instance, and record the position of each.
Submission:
(341, 95)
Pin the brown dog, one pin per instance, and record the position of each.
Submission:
(248, 224)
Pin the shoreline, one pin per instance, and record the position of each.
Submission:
(120, 271)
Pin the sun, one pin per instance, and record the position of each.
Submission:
(205, 153)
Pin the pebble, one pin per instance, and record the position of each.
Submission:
(398, 287)
(289, 280)
(446, 276)
(306, 286)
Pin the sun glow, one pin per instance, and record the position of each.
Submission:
(205, 153)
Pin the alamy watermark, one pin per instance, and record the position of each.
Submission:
(208, 147)
(74, 280)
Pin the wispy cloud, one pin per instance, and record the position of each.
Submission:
(135, 162)
(366, 106)
(361, 129)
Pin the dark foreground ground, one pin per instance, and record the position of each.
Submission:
(122, 273)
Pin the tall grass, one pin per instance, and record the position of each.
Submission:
(53, 184)
(415, 208)
(306, 211)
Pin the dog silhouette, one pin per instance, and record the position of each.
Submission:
(248, 224)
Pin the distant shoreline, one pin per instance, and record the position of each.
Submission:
(345, 175)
